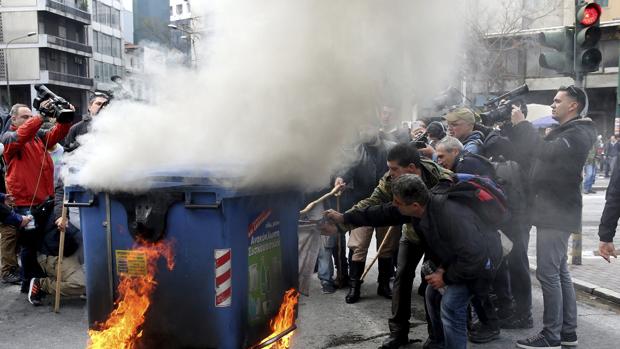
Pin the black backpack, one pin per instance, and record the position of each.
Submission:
(508, 176)
(481, 194)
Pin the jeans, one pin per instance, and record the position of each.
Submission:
(611, 164)
(589, 177)
(514, 282)
(451, 313)
(560, 305)
(409, 255)
(326, 264)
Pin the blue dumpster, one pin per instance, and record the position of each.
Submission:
(235, 254)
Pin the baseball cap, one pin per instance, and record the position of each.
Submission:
(461, 114)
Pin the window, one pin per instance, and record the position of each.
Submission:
(116, 47)
(179, 9)
(171, 11)
(189, 9)
(115, 19)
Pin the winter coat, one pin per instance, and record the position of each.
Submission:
(77, 130)
(473, 142)
(382, 194)
(611, 212)
(454, 238)
(556, 172)
(27, 158)
(367, 170)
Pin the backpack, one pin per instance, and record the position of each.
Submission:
(481, 194)
(508, 176)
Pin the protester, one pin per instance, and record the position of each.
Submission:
(360, 179)
(556, 209)
(456, 240)
(403, 159)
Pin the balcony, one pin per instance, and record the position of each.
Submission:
(66, 79)
(68, 11)
(74, 47)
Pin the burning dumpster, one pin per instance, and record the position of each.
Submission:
(235, 256)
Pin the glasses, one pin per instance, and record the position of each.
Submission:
(572, 90)
(456, 124)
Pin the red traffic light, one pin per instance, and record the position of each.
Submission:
(590, 14)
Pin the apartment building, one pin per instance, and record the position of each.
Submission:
(107, 40)
(56, 53)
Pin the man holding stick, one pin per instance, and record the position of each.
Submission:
(402, 159)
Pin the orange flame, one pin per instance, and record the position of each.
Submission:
(122, 328)
(283, 321)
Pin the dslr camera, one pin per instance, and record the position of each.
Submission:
(500, 108)
(59, 108)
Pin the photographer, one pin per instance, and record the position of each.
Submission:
(512, 159)
(556, 208)
(30, 174)
(96, 103)
(461, 123)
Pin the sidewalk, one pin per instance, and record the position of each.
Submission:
(594, 276)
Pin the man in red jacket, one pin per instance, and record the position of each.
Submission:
(30, 174)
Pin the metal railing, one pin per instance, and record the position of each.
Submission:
(69, 44)
(68, 9)
(72, 79)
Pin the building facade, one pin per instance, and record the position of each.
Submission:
(106, 36)
(57, 55)
(517, 52)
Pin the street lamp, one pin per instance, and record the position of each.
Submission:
(6, 64)
(189, 35)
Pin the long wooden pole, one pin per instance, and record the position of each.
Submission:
(385, 238)
(61, 251)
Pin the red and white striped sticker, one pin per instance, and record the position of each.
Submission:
(223, 278)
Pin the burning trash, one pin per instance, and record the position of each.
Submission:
(283, 324)
(122, 329)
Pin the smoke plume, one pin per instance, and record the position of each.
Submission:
(278, 87)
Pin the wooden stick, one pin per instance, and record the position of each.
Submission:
(61, 251)
(385, 238)
(311, 205)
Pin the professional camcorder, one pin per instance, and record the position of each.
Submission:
(501, 106)
(59, 108)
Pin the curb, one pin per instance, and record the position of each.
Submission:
(587, 287)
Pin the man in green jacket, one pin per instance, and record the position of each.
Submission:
(402, 159)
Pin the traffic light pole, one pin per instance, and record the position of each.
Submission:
(578, 74)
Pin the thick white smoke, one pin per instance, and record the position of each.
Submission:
(280, 85)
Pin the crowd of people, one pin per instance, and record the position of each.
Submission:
(33, 196)
(476, 278)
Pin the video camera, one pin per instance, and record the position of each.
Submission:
(59, 108)
(501, 106)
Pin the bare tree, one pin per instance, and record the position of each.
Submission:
(494, 52)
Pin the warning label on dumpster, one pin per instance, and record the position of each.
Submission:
(131, 263)
(265, 272)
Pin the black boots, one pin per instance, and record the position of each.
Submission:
(386, 271)
(355, 273)
(395, 341)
